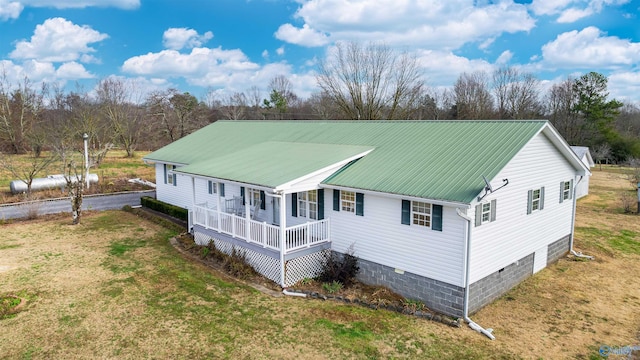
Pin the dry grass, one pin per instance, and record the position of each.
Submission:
(113, 288)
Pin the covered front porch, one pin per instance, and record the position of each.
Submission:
(311, 234)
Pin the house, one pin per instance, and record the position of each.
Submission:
(583, 153)
(453, 213)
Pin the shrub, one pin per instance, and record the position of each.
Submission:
(236, 264)
(160, 206)
(332, 287)
(341, 268)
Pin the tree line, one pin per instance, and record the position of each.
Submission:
(355, 82)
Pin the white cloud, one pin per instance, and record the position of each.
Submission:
(179, 38)
(265, 54)
(198, 67)
(572, 15)
(280, 50)
(622, 84)
(505, 57)
(442, 68)
(57, 40)
(10, 9)
(444, 23)
(570, 11)
(72, 71)
(589, 48)
(304, 37)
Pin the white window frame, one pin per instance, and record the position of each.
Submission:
(348, 201)
(566, 190)
(213, 186)
(170, 175)
(486, 213)
(253, 194)
(308, 204)
(535, 201)
(421, 218)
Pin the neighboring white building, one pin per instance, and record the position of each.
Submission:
(585, 156)
(408, 197)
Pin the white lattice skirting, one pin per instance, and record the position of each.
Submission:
(308, 266)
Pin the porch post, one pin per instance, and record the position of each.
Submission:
(219, 197)
(247, 218)
(283, 236)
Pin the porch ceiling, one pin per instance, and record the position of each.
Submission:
(273, 164)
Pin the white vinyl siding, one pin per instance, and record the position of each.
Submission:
(497, 244)
(180, 195)
(379, 236)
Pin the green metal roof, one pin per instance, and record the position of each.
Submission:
(439, 160)
(274, 163)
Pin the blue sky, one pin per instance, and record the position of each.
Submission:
(226, 46)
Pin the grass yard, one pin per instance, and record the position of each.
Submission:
(113, 287)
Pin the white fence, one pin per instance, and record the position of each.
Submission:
(261, 233)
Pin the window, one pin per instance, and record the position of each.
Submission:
(308, 204)
(348, 201)
(566, 190)
(421, 213)
(254, 196)
(535, 200)
(170, 178)
(213, 187)
(486, 212)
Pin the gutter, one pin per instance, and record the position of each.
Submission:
(573, 224)
(472, 324)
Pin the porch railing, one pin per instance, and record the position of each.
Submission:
(261, 233)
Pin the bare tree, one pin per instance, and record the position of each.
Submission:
(176, 114)
(26, 171)
(516, 94)
(601, 153)
(472, 97)
(234, 106)
(119, 104)
(561, 100)
(20, 106)
(371, 82)
(436, 104)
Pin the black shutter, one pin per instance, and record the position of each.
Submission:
(406, 212)
(242, 193)
(210, 187)
(175, 177)
(165, 172)
(336, 200)
(222, 189)
(359, 204)
(262, 200)
(320, 204)
(529, 201)
(294, 204)
(542, 198)
(436, 218)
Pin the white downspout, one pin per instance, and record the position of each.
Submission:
(472, 324)
(573, 223)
